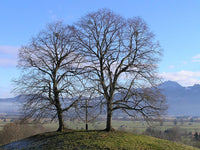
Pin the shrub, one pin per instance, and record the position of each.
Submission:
(17, 130)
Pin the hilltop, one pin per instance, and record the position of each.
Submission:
(94, 140)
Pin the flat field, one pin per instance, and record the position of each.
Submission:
(132, 126)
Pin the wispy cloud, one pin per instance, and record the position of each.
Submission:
(185, 78)
(8, 50)
(196, 58)
(171, 66)
(7, 62)
(8, 55)
(184, 62)
(53, 16)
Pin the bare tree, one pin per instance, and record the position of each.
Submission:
(121, 56)
(49, 78)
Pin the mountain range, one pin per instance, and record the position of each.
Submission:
(182, 101)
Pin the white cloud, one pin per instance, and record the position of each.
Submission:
(185, 78)
(184, 62)
(171, 66)
(196, 58)
(6, 62)
(8, 50)
(8, 55)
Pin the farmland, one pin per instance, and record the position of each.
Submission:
(174, 129)
(189, 125)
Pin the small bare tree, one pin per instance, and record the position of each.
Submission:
(49, 78)
(121, 58)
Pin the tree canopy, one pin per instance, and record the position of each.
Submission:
(50, 73)
(121, 61)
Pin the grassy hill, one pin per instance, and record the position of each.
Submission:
(78, 140)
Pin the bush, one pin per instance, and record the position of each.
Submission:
(172, 134)
(17, 130)
(153, 132)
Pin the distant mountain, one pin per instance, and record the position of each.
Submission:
(182, 101)
(10, 105)
(170, 84)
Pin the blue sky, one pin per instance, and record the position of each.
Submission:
(176, 24)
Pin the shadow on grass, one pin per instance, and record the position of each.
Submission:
(53, 134)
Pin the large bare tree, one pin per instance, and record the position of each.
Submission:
(49, 78)
(121, 57)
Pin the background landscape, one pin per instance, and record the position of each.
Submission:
(182, 101)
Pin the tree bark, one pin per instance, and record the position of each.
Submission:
(61, 121)
(60, 115)
(59, 109)
(109, 117)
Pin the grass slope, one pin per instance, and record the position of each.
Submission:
(94, 140)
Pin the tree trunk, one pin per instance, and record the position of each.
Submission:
(60, 116)
(109, 117)
(61, 121)
(59, 110)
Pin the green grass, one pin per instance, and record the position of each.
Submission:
(95, 140)
(129, 126)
